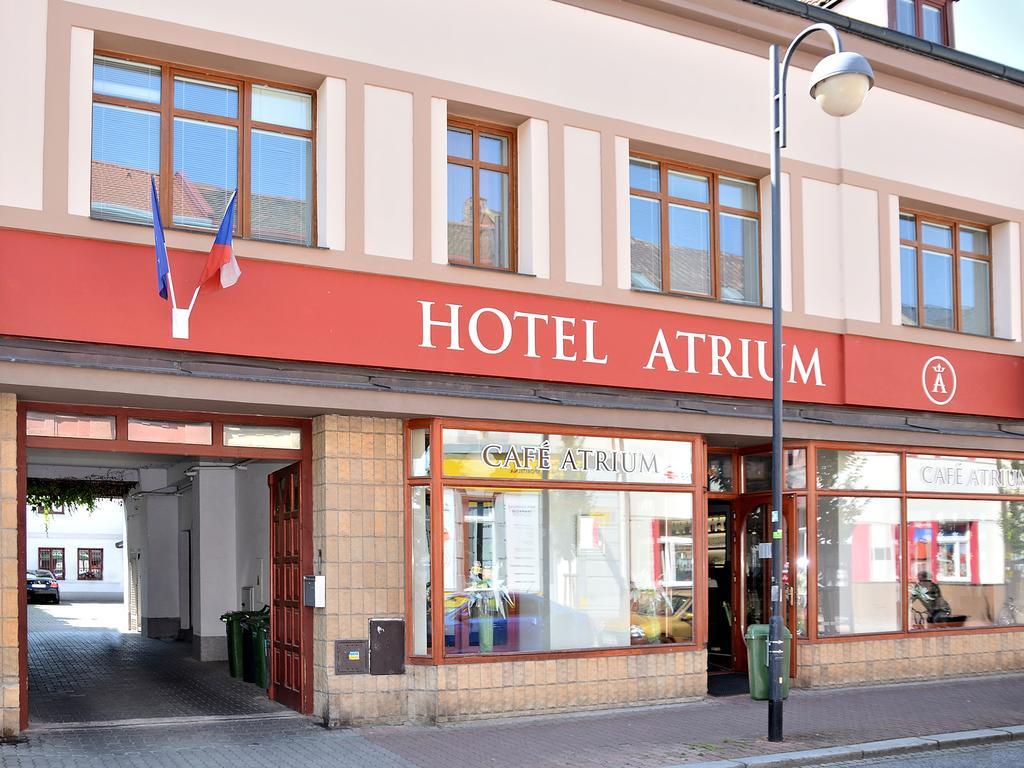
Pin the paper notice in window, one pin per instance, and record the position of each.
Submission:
(522, 536)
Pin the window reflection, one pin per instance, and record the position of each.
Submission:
(757, 471)
(858, 470)
(858, 565)
(720, 473)
(645, 243)
(421, 639)
(262, 436)
(544, 570)
(150, 431)
(708, 242)
(965, 563)
(802, 563)
(69, 425)
(480, 203)
(419, 452)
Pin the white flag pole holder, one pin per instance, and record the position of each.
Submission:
(179, 317)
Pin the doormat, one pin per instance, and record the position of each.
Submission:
(728, 685)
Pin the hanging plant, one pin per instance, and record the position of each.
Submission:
(48, 494)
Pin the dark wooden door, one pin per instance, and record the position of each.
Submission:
(288, 641)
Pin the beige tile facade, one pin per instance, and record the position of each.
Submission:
(908, 658)
(358, 527)
(358, 521)
(467, 691)
(10, 579)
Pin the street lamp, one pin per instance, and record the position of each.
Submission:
(839, 84)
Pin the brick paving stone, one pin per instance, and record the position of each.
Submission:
(712, 730)
(81, 615)
(716, 729)
(276, 743)
(101, 674)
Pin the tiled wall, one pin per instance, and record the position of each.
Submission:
(10, 579)
(908, 658)
(467, 691)
(358, 521)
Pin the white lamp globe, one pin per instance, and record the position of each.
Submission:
(840, 82)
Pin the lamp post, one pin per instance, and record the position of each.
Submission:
(839, 84)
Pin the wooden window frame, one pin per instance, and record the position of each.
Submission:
(437, 481)
(956, 253)
(244, 123)
(78, 560)
(945, 8)
(476, 165)
(714, 209)
(63, 561)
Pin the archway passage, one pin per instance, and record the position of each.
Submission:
(132, 630)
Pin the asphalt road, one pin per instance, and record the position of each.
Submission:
(985, 756)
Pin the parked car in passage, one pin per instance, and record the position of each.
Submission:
(42, 585)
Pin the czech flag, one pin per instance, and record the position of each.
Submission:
(163, 269)
(222, 256)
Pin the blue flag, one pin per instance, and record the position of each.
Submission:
(163, 269)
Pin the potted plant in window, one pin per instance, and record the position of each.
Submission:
(488, 597)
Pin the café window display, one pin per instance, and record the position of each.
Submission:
(959, 520)
(549, 542)
(965, 555)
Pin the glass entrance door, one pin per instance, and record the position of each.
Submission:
(753, 585)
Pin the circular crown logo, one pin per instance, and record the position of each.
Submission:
(938, 379)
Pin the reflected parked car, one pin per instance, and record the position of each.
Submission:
(527, 625)
(657, 616)
(42, 584)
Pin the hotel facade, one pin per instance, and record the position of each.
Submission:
(501, 342)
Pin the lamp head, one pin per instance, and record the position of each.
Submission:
(840, 82)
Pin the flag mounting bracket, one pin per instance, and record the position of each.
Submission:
(179, 322)
(221, 260)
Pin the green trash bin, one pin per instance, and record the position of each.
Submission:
(757, 660)
(258, 624)
(233, 626)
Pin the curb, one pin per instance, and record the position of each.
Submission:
(867, 750)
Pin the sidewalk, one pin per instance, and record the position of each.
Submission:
(712, 730)
(715, 729)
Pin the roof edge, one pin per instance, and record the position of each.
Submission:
(894, 39)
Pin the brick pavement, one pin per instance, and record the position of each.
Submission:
(78, 664)
(274, 743)
(81, 670)
(715, 728)
(651, 737)
(77, 614)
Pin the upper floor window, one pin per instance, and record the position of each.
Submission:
(202, 136)
(945, 274)
(694, 232)
(928, 19)
(481, 194)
